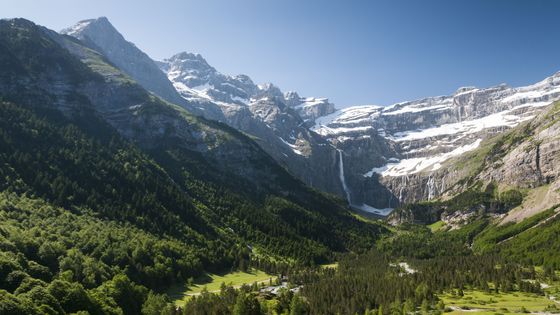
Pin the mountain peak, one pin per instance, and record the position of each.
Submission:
(84, 27)
(190, 60)
(102, 36)
(20, 22)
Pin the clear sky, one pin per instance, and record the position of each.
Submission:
(354, 52)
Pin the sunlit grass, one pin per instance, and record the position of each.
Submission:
(213, 282)
(491, 303)
(434, 227)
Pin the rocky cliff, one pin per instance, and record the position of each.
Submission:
(414, 139)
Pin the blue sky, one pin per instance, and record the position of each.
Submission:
(354, 52)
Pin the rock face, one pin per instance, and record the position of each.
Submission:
(529, 156)
(413, 140)
(309, 108)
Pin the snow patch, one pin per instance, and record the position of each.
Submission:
(501, 119)
(77, 28)
(415, 165)
(292, 146)
(370, 209)
(417, 109)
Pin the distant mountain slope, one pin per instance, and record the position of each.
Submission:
(278, 121)
(422, 135)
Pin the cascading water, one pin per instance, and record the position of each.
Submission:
(403, 185)
(431, 186)
(341, 175)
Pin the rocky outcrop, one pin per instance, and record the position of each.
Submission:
(309, 108)
(529, 156)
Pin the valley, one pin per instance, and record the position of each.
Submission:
(130, 185)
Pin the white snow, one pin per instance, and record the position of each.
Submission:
(187, 92)
(292, 146)
(203, 87)
(240, 99)
(415, 165)
(324, 131)
(370, 209)
(312, 101)
(77, 28)
(529, 94)
(503, 118)
(349, 115)
(417, 109)
(468, 90)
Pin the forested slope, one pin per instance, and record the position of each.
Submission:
(115, 192)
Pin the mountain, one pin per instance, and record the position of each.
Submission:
(278, 121)
(377, 158)
(258, 110)
(106, 185)
(418, 137)
(100, 35)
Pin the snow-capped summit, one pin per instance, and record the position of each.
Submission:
(194, 78)
(278, 120)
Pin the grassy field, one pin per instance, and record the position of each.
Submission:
(436, 226)
(333, 265)
(213, 282)
(482, 303)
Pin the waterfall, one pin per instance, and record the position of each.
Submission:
(341, 175)
(431, 185)
(403, 185)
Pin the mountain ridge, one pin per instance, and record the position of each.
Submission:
(388, 153)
